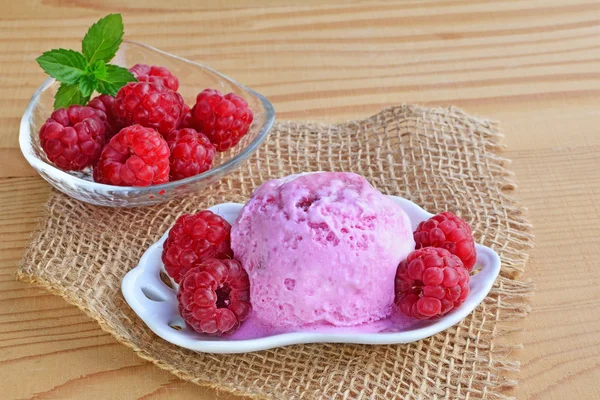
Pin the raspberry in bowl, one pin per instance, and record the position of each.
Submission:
(193, 79)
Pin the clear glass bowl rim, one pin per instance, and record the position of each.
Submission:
(37, 163)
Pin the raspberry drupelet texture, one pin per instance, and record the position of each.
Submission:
(193, 238)
(186, 118)
(104, 105)
(450, 232)
(136, 156)
(214, 297)
(191, 153)
(430, 283)
(224, 119)
(149, 104)
(73, 137)
(155, 74)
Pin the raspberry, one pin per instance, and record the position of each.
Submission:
(195, 237)
(191, 153)
(155, 74)
(73, 137)
(136, 156)
(150, 105)
(430, 283)
(224, 119)
(104, 104)
(186, 118)
(450, 232)
(214, 297)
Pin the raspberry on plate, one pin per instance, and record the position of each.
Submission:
(224, 119)
(450, 232)
(104, 105)
(430, 283)
(73, 137)
(191, 153)
(214, 297)
(155, 74)
(148, 104)
(136, 156)
(193, 238)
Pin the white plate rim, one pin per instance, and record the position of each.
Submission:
(153, 313)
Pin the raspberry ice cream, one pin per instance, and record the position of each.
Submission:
(321, 248)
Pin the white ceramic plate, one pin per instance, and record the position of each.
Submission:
(156, 303)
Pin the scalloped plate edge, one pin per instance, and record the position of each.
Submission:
(159, 313)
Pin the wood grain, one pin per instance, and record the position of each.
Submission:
(532, 65)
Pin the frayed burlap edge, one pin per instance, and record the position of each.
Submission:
(507, 301)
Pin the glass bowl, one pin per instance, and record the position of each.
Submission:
(193, 78)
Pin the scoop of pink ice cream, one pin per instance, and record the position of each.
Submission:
(321, 248)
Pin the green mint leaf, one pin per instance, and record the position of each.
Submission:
(87, 84)
(98, 68)
(69, 94)
(116, 78)
(63, 65)
(103, 39)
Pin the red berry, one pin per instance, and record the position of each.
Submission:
(224, 119)
(195, 237)
(150, 105)
(430, 283)
(136, 156)
(73, 137)
(450, 232)
(191, 153)
(214, 296)
(104, 105)
(186, 118)
(155, 74)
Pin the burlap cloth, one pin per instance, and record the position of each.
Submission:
(442, 159)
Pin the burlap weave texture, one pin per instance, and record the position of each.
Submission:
(442, 159)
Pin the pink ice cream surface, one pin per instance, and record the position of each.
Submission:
(321, 248)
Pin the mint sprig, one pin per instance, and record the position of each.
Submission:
(114, 79)
(67, 66)
(83, 73)
(103, 39)
(69, 94)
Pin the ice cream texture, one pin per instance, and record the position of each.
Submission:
(321, 248)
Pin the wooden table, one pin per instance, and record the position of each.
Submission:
(532, 65)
